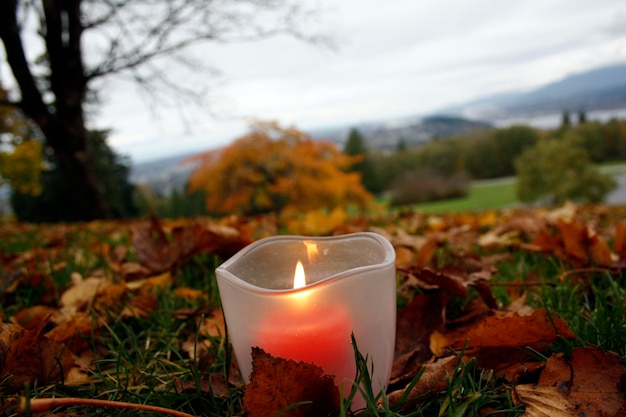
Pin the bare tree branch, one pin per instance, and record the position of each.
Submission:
(87, 40)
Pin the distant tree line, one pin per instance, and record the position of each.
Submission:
(443, 168)
(551, 166)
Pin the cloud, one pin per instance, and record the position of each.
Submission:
(393, 59)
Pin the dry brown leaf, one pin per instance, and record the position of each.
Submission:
(520, 370)
(141, 306)
(153, 284)
(30, 317)
(111, 298)
(73, 326)
(34, 357)
(152, 247)
(213, 384)
(414, 325)
(9, 334)
(159, 252)
(619, 242)
(426, 252)
(538, 330)
(542, 401)
(404, 256)
(81, 293)
(213, 324)
(189, 293)
(583, 245)
(574, 386)
(434, 379)
(437, 279)
(600, 251)
(499, 341)
(277, 383)
(132, 271)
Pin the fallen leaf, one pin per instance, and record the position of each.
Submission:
(213, 384)
(434, 379)
(81, 293)
(572, 387)
(74, 326)
(213, 324)
(414, 326)
(619, 242)
(189, 293)
(34, 357)
(542, 401)
(111, 298)
(9, 334)
(600, 251)
(404, 256)
(30, 317)
(277, 383)
(538, 330)
(159, 252)
(141, 306)
(437, 279)
(499, 341)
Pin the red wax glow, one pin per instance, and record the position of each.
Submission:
(320, 337)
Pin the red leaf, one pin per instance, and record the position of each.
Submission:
(277, 383)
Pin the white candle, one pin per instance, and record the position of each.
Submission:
(350, 288)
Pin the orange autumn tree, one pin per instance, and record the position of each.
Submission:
(273, 168)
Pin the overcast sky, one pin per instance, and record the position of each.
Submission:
(393, 58)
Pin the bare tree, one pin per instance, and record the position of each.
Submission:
(87, 40)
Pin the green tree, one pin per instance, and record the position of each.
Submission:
(442, 156)
(492, 154)
(357, 147)
(614, 139)
(589, 137)
(54, 203)
(181, 203)
(554, 171)
(566, 119)
(83, 42)
(401, 145)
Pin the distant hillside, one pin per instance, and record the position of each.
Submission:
(163, 175)
(387, 138)
(598, 89)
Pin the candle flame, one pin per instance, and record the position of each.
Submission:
(299, 279)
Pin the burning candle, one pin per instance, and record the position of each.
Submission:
(303, 333)
(346, 286)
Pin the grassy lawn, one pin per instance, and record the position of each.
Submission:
(494, 194)
(483, 195)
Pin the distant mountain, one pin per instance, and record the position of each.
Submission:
(599, 89)
(163, 175)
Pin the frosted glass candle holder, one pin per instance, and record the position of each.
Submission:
(350, 289)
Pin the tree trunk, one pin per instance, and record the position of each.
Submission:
(70, 148)
(61, 122)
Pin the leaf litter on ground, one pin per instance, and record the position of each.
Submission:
(472, 291)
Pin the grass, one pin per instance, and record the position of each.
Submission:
(494, 194)
(145, 361)
(486, 195)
